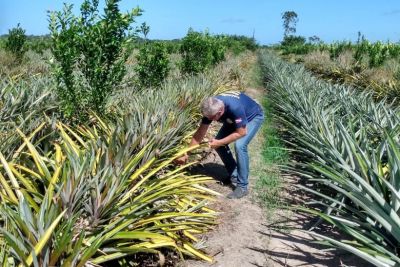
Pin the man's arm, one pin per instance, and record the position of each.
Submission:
(238, 133)
(196, 139)
(199, 134)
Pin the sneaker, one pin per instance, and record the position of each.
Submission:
(238, 193)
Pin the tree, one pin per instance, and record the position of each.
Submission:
(289, 23)
(200, 51)
(152, 64)
(90, 54)
(15, 42)
(144, 29)
(314, 39)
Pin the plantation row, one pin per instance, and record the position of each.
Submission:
(374, 66)
(349, 146)
(375, 53)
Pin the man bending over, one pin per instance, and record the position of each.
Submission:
(241, 117)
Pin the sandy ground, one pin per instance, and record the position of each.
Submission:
(239, 236)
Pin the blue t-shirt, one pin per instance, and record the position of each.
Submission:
(239, 109)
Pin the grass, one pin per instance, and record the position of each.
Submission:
(266, 150)
(273, 151)
(270, 182)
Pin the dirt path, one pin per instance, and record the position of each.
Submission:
(249, 236)
(240, 228)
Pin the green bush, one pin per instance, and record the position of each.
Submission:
(39, 44)
(16, 42)
(295, 45)
(292, 40)
(378, 53)
(338, 48)
(239, 43)
(361, 48)
(200, 51)
(172, 46)
(90, 54)
(153, 64)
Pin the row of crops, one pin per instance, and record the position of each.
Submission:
(375, 52)
(349, 146)
(99, 193)
(371, 66)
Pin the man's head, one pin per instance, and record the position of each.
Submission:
(212, 108)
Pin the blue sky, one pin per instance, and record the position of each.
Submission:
(169, 19)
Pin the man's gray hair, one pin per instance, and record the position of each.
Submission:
(210, 106)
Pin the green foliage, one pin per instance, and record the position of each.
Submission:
(365, 65)
(39, 44)
(290, 20)
(273, 150)
(295, 45)
(200, 51)
(144, 29)
(238, 43)
(114, 178)
(16, 41)
(314, 39)
(361, 48)
(100, 193)
(218, 50)
(269, 184)
(90, 54)
(172, 46)
(348, 152)
(337, 48)
(293, 40)
(376, 52)
(153, 64)
(373, 54)
(105, 184)
(23, 103)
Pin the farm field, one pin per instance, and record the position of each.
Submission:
(369, 65)
(104, 160)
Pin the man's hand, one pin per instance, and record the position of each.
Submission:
(182, 160)
(215, 143)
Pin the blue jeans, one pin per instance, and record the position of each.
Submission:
(240, 167)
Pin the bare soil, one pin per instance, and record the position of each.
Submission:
(239, 235)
